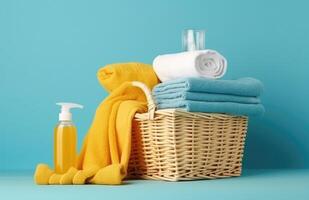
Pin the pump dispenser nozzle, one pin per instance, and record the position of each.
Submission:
(65, 114)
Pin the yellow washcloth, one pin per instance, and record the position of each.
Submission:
(106, 149)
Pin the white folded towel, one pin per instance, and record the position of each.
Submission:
(203, 63)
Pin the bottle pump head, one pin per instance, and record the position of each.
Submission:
(65, 114)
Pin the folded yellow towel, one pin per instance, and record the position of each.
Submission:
(112, 76)
(106, 149)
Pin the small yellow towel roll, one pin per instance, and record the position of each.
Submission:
(113, 75)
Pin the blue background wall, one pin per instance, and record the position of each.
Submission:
(50, 51)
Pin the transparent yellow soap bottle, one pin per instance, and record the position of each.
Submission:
(65, 139)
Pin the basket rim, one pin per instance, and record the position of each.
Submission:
(172, 112)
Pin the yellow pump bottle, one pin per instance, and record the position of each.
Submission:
(65, 139)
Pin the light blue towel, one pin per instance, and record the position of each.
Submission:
(209, 97)
(241, 87)
(215, 107)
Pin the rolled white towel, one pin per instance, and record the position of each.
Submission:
(203, 63)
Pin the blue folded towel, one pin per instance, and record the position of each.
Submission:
(215, 107)
(197, 96)
(241, 87)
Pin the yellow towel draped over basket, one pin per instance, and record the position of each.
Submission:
(106, 148)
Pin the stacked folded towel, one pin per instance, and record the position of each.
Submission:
(236, 97)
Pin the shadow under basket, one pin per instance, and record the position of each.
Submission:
(175, 145)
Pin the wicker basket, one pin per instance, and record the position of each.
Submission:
(174, 145)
